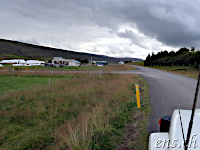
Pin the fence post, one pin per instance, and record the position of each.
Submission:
(100, 72)
(137, 96)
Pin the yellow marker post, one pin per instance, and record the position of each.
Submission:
(134, 66)
(137, 96)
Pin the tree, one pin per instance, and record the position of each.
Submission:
(172, 53)
(182, 50)
(192, 49)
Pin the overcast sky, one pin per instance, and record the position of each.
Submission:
(118, 28)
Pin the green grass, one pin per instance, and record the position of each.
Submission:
(22, 82)
(110, 67)
(136, 134)
(182, 70)
(137, 63)
(89, 112)
(171, 68)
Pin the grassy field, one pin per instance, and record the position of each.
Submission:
(182, 70)
(110, 67)
(21, 82)
(87, 112)
(137, 63)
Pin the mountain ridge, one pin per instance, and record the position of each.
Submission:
(15, 49)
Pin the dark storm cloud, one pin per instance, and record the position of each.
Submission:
(174, 23)
(72, 22)
(133, 37)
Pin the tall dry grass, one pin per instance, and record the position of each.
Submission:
(38, 73)
(51, 71)
(117, 67)
(81, 113)
(185, 71)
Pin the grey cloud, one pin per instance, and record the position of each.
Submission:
(31, 41)
(95, 50)
(133, 37)
(120, 52)
(174, 23)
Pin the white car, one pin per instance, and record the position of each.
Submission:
(172, 132)
(179, 132)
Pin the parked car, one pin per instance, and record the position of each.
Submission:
(171, 132)
(179, 132)
(48, 64)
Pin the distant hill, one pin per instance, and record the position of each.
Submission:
(14, 49)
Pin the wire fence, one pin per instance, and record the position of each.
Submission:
(5, 86)
(46, 73)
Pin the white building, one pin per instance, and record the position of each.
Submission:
(121, 62)
(60, 62)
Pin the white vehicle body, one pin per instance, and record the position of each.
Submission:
(173, 140)
(29, 63)
(11, 61)
(22, 62)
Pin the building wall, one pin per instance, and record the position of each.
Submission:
(73, 64)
